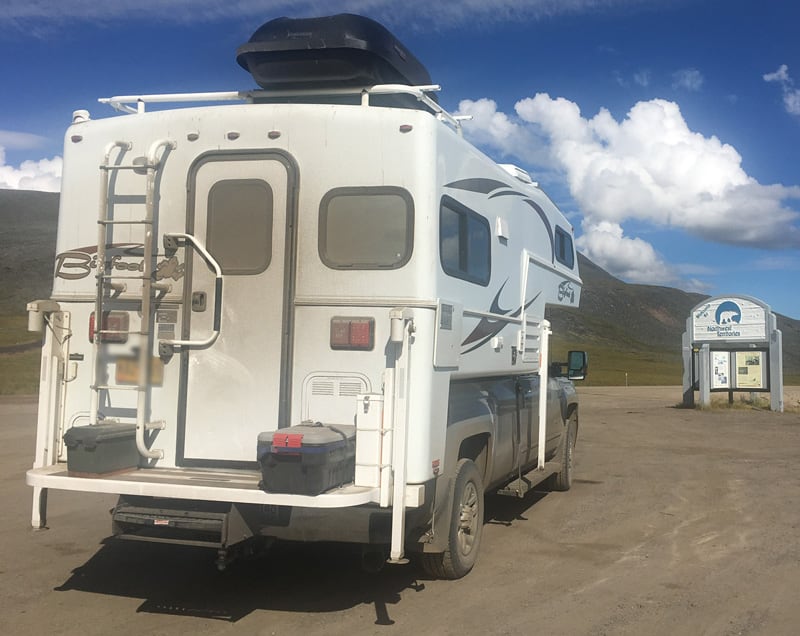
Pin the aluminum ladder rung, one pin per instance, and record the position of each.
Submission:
(108, 332)
(121, 277)
(120, 222)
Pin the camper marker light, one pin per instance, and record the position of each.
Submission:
(114, 327)
(356, 334)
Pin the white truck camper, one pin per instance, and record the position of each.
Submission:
(310, 311)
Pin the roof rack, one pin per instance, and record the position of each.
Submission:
(125, 103)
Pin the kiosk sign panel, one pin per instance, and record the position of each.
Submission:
(720, 366)
(729, 319)
(750, 370)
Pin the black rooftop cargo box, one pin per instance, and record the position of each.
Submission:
(339, 51)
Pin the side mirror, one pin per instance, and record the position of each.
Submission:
(577, 365)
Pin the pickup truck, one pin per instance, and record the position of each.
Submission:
(505, 457)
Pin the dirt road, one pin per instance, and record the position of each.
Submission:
(680, 522)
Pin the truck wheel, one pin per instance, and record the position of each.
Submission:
(563, 480)
(466, 526)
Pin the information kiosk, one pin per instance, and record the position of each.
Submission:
(732, 343)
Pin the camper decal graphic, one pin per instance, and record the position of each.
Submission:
(499, 189)
(121, 257)
(488, 328)
(482, 185)
(566, 290)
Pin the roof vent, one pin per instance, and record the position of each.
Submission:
(518, 173)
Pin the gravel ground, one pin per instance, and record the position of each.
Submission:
(679, 522)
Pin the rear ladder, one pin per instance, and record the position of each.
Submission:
(109, 283)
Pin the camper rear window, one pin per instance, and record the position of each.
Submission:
(366, 228)
(464, 243)
(239, 225)
(564, 251)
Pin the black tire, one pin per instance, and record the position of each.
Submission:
(466, 526)
(562, 481)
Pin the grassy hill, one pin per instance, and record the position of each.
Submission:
(27, 247)
(637, 330)
(27, 236)
(627, 329)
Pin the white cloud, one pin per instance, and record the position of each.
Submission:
(20, 140)
(651, 168)
(420, 14)
(491, 126)
(42, 175)
(633, 259)
(689, 79)
(791, 95)
(642, 78)
(781, 75)
(493, 129)
(791, 100)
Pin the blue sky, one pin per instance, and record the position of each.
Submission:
(668, 130)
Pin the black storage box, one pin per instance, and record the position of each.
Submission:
(307, 459)
(338, 51)
(101, 448)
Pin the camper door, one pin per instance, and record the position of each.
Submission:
(239, 208)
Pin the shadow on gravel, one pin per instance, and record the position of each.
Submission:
(184, 581)
(290, 577)
(504, 510)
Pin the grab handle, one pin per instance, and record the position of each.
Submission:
(172, 241)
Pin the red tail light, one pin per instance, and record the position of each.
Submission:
(357, 334)
(114, 328)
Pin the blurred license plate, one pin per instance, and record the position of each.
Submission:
(128, 371)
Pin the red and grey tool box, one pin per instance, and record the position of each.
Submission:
(307, 459)
(101, 448)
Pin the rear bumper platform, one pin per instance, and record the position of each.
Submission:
(241, 486)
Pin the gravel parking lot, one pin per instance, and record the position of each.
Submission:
(679, 522)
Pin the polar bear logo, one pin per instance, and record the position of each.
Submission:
(728, 313)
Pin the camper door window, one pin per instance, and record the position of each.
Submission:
(464, 243)
(366, 228)
(239, 225)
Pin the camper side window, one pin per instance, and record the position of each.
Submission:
(565, 254)
(366, 228)
(464, 243)
(239, 225)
